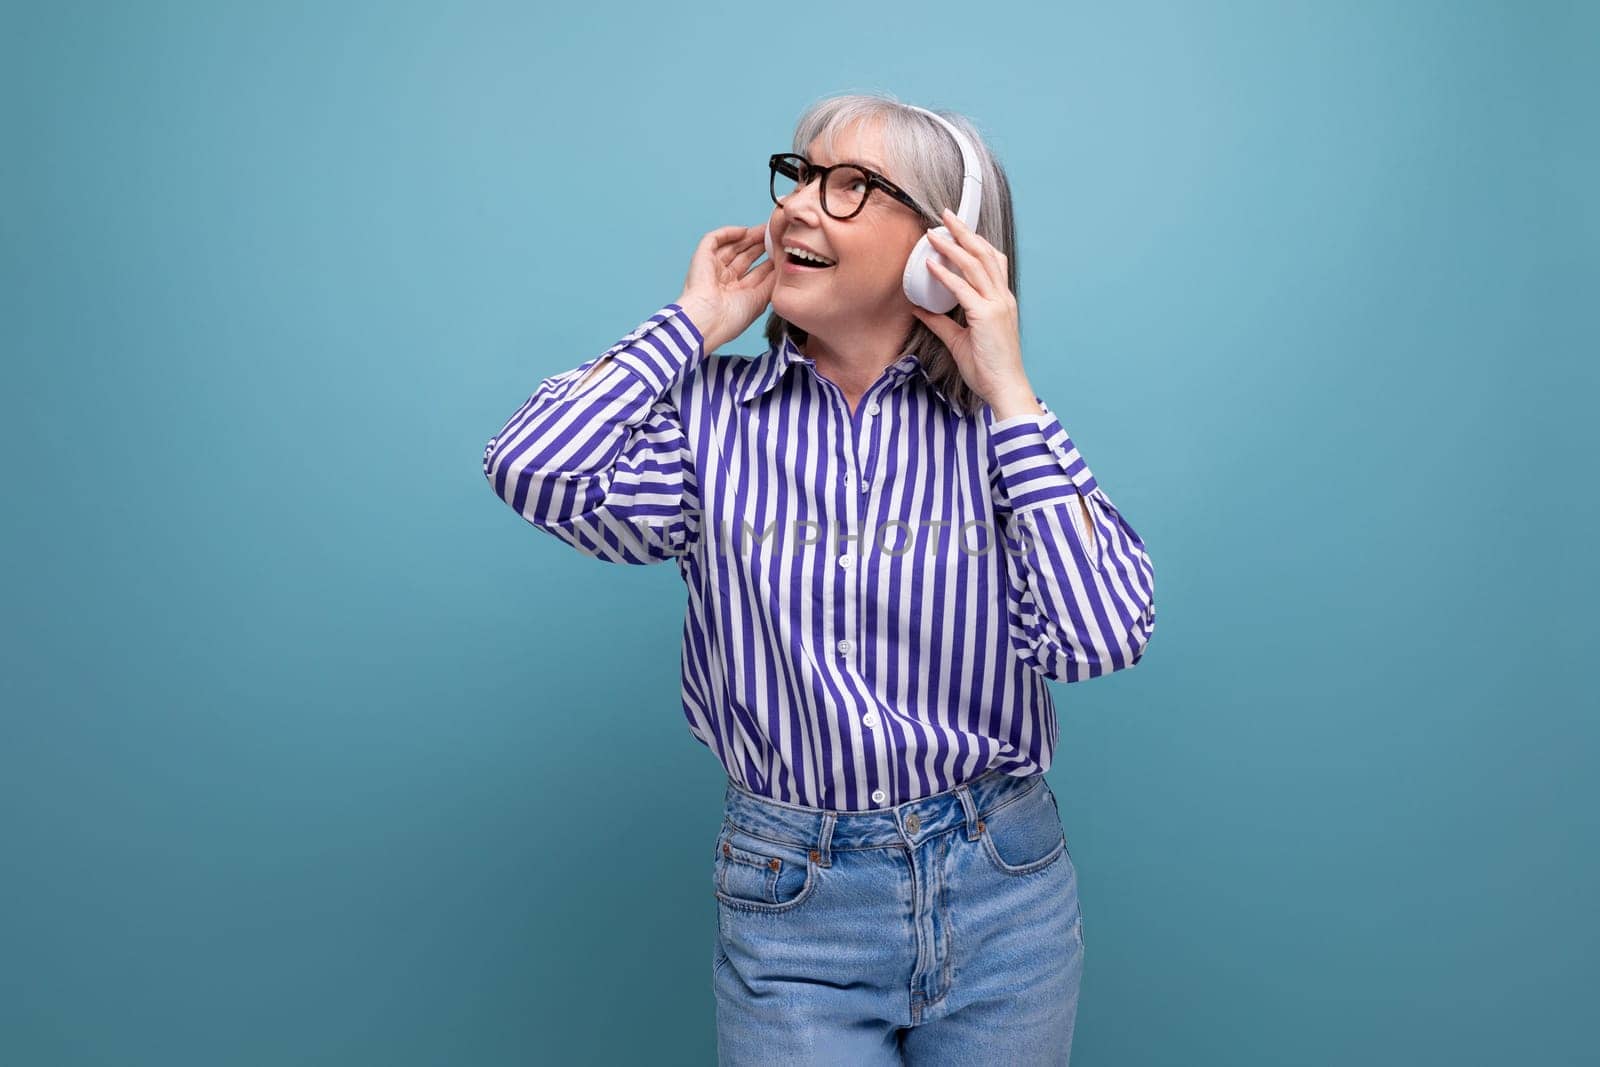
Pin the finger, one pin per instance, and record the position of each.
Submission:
(969, 238)
(737, 247)
(723, 234)
(757, 276)
(956, 223)
(742, 262)
(975, 270)
(740, 242)
(969, 297)
(991, 266)
(944, 328)
(965, 237)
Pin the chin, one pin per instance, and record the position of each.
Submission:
(787, 308)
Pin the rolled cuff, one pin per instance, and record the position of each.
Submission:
(657, 351)
(1037, 461)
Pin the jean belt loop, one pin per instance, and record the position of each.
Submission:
(823, 853)
(965, 796)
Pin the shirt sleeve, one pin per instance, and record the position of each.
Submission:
(604, 463)
(1081, 588)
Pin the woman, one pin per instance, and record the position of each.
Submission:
(889, 544)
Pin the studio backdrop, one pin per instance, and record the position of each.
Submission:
(312, 751)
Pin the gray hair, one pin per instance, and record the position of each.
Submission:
(926, 163)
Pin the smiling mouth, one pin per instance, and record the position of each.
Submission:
(807, 263)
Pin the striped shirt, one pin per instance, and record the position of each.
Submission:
(875, 599)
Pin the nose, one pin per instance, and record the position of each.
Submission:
(805, 202)
(800, 206)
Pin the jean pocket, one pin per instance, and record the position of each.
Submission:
(758, 874)
(1024, 834)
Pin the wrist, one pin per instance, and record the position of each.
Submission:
(700, 313)
(1013, 400)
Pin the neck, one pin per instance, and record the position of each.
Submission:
(856, 359)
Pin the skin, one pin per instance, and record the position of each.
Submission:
(856, 313)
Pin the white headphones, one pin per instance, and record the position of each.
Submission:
(922, 288)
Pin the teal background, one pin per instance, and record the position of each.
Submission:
(313, 752)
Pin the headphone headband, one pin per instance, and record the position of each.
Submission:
(972, 172)
(921, 287)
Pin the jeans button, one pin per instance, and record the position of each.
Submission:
(913, 823)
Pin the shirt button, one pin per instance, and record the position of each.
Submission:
(870, 719)
(878, 795)
(872, 408)
(846, 645)
(844, 560)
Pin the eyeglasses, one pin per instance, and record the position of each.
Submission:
(845, 186)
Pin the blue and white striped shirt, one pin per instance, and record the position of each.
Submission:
(875, 599)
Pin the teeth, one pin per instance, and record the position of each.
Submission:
(803, 254)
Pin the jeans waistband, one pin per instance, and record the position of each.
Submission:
(909, 823)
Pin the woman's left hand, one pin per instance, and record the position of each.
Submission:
(988, 350)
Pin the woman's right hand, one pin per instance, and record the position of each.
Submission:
(722, 295)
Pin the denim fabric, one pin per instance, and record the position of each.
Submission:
(944, 930)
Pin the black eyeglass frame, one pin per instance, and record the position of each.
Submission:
(874, 179)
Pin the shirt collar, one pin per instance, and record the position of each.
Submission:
(787, 354)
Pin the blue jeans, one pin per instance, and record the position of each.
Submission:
(943, 930)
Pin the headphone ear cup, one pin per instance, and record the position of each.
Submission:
(921, 287)
(769, 241)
